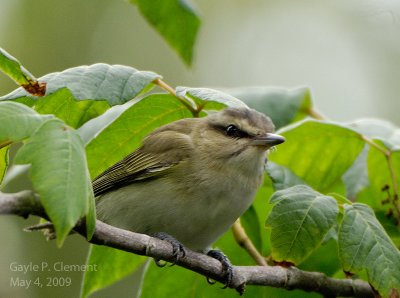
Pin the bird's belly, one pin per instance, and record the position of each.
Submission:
(196, 220)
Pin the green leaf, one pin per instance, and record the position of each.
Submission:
(281, 176)
(13, 68)
(340, 199)
(382, 163)
(116, 84)
(389, 224)
(364, 245)
(299, 221)
(125, 133)
(109, 265)
(63, 105)
(91, 211)
(209, 98)
(90, 129)
(18, 122)
(283, 106)
(324, 259)
(356, 177)
(318, 152)
(58, 174)
(176, 20)
(380, 178)
(3, 161)
(379, 129)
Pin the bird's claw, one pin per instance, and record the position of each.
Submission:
(210, 281)
(226, 266)
(178, 250)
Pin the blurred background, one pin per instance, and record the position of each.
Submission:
(346, 51)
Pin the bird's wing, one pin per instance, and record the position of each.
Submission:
(159, 152)
(135, 167)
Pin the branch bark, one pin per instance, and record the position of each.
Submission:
(27, 203)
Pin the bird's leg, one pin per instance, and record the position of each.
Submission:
(226, 266)
(179, 251)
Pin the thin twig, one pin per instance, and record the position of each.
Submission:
(244, 241)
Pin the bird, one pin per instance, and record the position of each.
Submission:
(190, 179)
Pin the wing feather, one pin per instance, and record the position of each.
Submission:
(137, 166)
(157, 155)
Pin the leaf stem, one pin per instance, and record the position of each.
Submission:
(4, 144)
(376, 146)
(313, 113)
(244, 241)
(163, 85)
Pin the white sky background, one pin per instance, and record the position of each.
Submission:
(347, 52)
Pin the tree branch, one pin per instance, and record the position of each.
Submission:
(27, 203)
(23, 203)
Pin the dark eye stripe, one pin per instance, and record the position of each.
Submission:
(231, 131)
(234, 132)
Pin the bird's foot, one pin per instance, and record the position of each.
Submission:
(179, 251)
(226, 266)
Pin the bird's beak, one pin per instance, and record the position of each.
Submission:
(268, 140)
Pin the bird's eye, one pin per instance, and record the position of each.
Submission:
(233, 131)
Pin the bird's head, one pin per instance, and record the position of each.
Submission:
(238, 135)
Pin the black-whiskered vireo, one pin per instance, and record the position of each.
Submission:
(191, 178)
